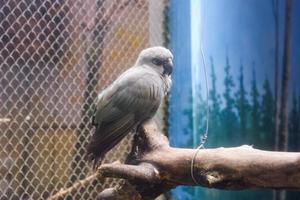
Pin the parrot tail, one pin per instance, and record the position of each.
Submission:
(106, 137)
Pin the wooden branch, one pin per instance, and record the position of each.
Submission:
(130, 172)
(158, 167)
(153, 167)
(75, 188)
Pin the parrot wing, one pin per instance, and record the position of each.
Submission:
(134, 97)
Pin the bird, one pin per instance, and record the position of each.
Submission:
(130, 100)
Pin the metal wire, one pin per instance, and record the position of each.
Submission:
(203, 138)
(55, 56)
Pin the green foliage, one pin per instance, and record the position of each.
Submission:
(228, 116)
(254, 108)
(215, 107)
(242, 106)
(188, 129)
(267, 118)
(166, 28)
(188, 112)
(240, 118)
(294, 125)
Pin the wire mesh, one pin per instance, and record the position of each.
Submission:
(55, 56)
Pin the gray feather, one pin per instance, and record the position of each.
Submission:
(134, 97)
(131, 99)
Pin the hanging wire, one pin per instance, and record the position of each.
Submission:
(205, 135)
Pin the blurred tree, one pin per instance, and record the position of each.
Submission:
(228, 117)
(275, 5)
(188, 129)
(242, 106)
(266, 137)
(283, 127)
(255, 107)
(188, 112)
(294, 126)
(298, 142)
(190, 192)
(283, 114)
(215, 103)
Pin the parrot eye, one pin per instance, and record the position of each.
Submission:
(157, 61)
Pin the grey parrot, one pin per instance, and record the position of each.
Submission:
(130, 100)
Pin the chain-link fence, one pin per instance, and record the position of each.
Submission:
(55, 56)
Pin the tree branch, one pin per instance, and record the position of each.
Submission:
(159, 167)
(153, 167)
(75, 188)
(146, 173)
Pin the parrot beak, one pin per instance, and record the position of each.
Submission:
(168, 67)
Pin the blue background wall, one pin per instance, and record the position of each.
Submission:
(180, 26)
(241, 31)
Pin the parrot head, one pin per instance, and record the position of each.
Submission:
(158, 58)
